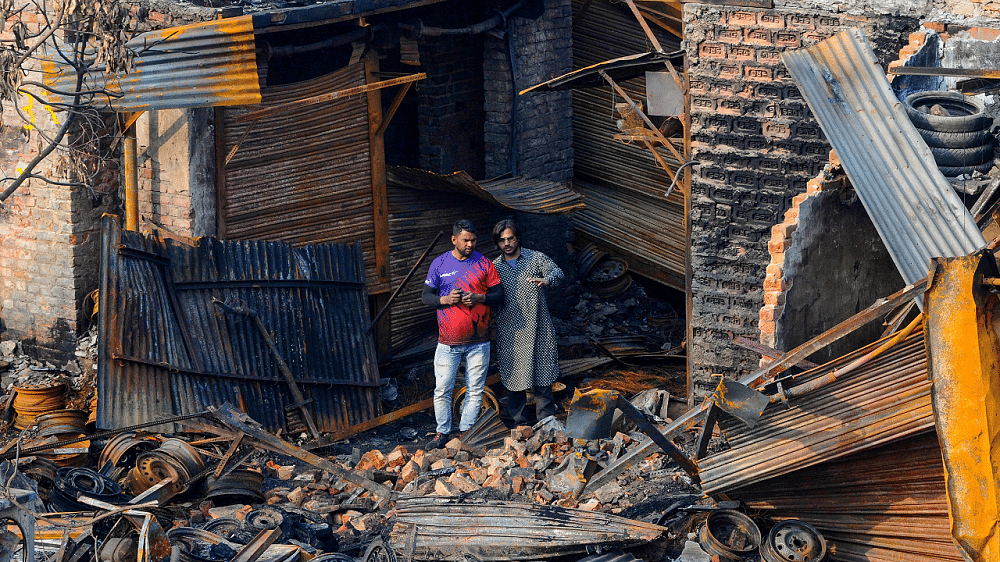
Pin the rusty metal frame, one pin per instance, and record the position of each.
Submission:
(963, 349)
(339, 94)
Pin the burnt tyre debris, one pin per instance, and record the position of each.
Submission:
(956, 128)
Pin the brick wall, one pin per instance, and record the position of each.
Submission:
(825, 243)
(540, 122)
(177, 171)
(50, 234)
(758, 145)
(450, 109)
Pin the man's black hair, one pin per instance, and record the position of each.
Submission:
(504, 225)
(463, 225)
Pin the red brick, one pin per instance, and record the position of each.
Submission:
(771, 284)
(759, 37)
(712, 51)
(778, 246)
(729, 35)
(768, 313)
(980, 33)
(934, 26)
(771, 19)
(917, 38)
(774, 298)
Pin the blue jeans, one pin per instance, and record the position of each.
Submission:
(446, 361)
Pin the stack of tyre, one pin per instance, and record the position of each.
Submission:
(957, 130)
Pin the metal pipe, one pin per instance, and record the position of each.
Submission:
(130, 164)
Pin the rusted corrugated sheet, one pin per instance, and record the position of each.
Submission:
(620, 222)
(886, 504)
(306, 177)
(520, 193)
(613, 168)
(915, 210)
(166, 350)
(415, 217)
(199, 65)
(885, 399)
(449, 529)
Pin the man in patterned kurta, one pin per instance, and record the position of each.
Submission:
(462, 285)
(526, 340)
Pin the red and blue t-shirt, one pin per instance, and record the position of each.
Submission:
(460, 324)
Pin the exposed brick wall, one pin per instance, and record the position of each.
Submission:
(775, 283)
(826, 243)
(542, 121)
(172, 179)
(450, 113)
(758, 145)
(50, 234)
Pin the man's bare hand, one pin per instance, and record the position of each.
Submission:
(454, 297)
(470, 299)
(539, 281)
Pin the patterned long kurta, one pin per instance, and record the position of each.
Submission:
(526, 340)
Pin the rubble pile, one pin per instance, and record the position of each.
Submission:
(77, 378)
(540, 466)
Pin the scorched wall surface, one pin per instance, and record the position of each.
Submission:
(757, 145)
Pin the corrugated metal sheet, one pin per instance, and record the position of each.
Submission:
(887, 504)
(625, 173)
(620, 221)
(415, 217)
(915, 210)
(166, 350)
(448, 530)
(205, 64)
(884, 400)
(521, 194)
(303, 178)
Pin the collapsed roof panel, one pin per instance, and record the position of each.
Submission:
(167, 349)
(205, 64)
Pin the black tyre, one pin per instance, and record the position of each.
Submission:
(940, 139)
(965, 114)
(955, 171)
(964, 156)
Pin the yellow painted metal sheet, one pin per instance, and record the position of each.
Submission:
(962, 345)
(205, 64)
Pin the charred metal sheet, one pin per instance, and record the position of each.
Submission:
(621, 182)
(963, 348)
(621, 68)
(448, 530)
(886, 399)
(303, 178)
(521, 194)
(204, 64)
(885, 504)
(332, 11)
(766, 374)
(165, 349)
(415, 217)
(915, 210)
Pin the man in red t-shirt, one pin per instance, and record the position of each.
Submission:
(462, 285)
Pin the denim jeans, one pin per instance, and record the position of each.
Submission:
(446, 361)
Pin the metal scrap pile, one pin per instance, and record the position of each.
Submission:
(211, 493)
